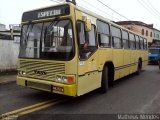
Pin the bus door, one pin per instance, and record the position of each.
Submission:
(117, 51)
(104, 40)
(88, 75)
(138, 52)
(133, 54)
(126, 53)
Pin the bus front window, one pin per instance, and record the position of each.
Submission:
(48, 40)
(30, 41)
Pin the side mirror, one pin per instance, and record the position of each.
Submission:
(88, 26)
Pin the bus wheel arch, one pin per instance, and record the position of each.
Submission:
(107, 76)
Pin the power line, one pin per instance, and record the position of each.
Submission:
(99, 9)
(86, 7)
(147, 9)
(153, 7)
(112, 9)
(144, 7)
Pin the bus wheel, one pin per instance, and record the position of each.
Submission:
(104, 81)
(139, 68)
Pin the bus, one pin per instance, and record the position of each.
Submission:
(154, 54)
(68, 50)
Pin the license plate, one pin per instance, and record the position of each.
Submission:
(57, 88)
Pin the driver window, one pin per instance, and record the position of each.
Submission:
(91, 38)
(87, 41)
(81, 33)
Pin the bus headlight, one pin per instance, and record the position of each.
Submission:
(21, 72)
(65, 79)
(58, 78)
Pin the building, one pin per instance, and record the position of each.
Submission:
(9, 34)
(4, 33)
(9, 47)
(2, 27)
(156, 37)
(141, 28)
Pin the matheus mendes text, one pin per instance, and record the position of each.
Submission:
(138, 117)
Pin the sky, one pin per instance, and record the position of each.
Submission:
(147, 11)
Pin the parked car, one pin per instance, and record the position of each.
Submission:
(154, 55)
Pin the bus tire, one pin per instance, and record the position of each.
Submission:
(104, 81)
(139, 67)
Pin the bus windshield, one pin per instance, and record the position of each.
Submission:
(47, 40)
(154, 51)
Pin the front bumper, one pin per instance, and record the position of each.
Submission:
(64, 89)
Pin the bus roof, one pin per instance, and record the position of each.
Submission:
(105, 19)
(30, 15)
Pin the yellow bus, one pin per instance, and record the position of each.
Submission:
(68, 50)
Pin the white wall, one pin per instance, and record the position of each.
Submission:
(9, 51)
(2, 27)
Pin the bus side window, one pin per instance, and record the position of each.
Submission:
(103, 34)
(137, 42)
(116, 37)
(132, 41)
(125, 39)
(91, 37)
(145, 44)
(141, 43)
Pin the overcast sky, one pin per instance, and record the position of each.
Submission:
(11, 10)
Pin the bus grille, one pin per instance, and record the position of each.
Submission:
(41, 70)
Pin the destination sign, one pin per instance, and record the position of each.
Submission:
(49, 13)
(46, 13)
